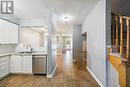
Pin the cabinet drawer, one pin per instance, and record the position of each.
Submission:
(3, 59)
(5, 64)
(4, 71)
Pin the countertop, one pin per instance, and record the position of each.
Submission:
(6, 54)
(20, 54)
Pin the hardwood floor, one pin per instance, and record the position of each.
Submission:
(67, 75)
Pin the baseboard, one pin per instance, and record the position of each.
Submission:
(4, 76)
(101, 85)
(51, 75)
(17, 74)
(58, 54)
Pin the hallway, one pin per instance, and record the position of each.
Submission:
(66, 76)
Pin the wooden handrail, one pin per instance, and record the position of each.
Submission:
(126, 17)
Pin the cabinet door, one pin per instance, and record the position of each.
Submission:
(3, 32)
(27, 64)
(16, 64)
(8, 32)
(13, 33)
(4, 66)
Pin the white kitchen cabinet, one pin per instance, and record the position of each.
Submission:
(13, 34)
(3, 32)
(8, 32)
(21, 64)
(4, 66)
(27, 64)
(16, 64)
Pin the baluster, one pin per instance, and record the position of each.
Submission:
(116, 31)
(113, 36)
(121, 36)
(128, 37)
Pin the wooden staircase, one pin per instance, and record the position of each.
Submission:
(81, 59)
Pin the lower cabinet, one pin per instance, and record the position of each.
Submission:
(15, 64)
(27, 64)
(4, 66)
(21, 64)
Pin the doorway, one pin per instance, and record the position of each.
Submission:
(81, 53)
(64, 43)
(84, 53)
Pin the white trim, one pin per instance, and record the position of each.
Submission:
(58, 54)
(101, 85)
(51, 75)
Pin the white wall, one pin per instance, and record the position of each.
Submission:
(113, 76)
(32, 37)
(95, 25)
(52, 48)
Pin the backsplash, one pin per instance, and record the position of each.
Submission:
(7, 48)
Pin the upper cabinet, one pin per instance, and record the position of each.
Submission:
(13, 34)
(3, 32)
(8, 32)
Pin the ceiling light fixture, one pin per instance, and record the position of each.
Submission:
(67, 19)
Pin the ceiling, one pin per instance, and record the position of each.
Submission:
(30, 9)
(121, 7)
(77, 10)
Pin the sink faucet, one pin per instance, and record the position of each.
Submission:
(28, 46)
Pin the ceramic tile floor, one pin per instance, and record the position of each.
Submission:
(67, 75)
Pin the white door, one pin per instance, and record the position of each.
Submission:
(27, 64)
(16, 64)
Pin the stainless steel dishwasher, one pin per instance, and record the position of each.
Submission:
(39, 64)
